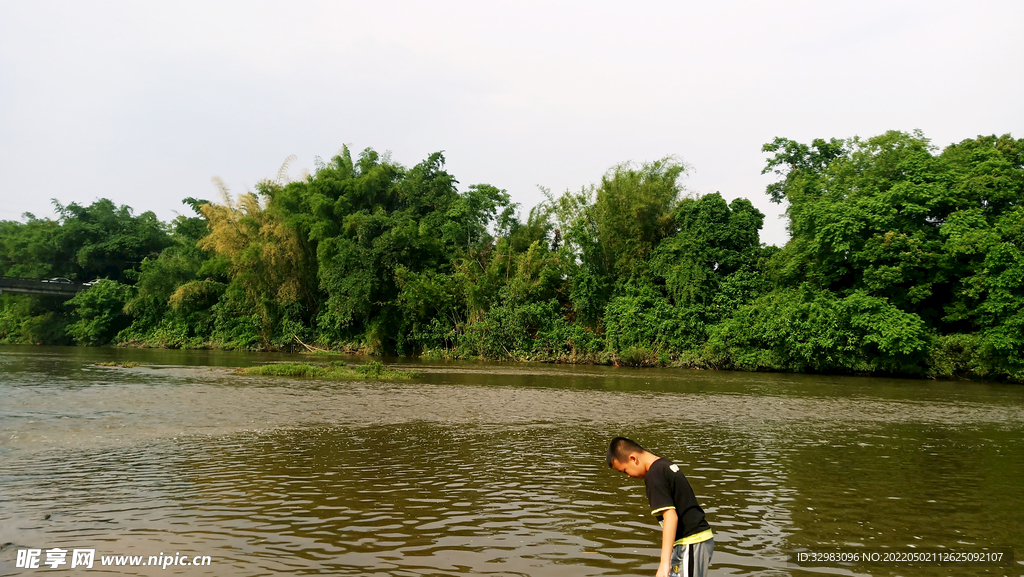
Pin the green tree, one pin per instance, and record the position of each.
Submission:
(104, 241)
(389, 218)
(610, 230)
(805, 330)
(99, 313)
(27, 249)
(711, 264)
(888, 218)
(166, 309)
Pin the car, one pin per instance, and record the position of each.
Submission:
(90, 283)
(60, 280)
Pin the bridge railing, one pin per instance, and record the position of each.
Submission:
(36, 286)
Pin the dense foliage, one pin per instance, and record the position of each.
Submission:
(902, 259)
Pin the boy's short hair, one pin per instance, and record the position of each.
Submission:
(621, 448)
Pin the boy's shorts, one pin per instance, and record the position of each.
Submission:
(691, 560)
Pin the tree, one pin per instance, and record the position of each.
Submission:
(163, 308)
(27, 249)
(104, 241)
(99, 313)
(933, 235)
(101, 240)
(266, 263)
(612, 229)
(715, 241)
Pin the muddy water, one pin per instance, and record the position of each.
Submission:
(487, 469)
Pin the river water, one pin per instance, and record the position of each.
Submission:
(488, 468)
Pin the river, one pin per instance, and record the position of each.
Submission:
(494, 469)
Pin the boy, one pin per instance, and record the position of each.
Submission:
(686, 539)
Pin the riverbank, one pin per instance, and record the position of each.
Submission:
(945, 362)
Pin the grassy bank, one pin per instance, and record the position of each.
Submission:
(334, 370)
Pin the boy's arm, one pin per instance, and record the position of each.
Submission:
(668, 538)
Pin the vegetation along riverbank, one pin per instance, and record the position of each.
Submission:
(334, 370)
(902, 259)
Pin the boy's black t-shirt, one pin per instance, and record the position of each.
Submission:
(667, 488)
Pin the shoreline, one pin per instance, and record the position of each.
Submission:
(690, 361)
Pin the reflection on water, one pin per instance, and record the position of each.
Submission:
(479, 469)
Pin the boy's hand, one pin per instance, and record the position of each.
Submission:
(669, 522)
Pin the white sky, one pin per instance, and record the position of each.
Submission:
(143, 102)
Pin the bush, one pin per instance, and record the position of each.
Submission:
(99, 311)
(509, 330)
(803, 330)
(644, 319)
(563, 341)
(957, 355)
(335, 370)
(639, 357)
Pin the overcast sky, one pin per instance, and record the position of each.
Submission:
(144, 102)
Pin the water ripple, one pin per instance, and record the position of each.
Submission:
(280, 476)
